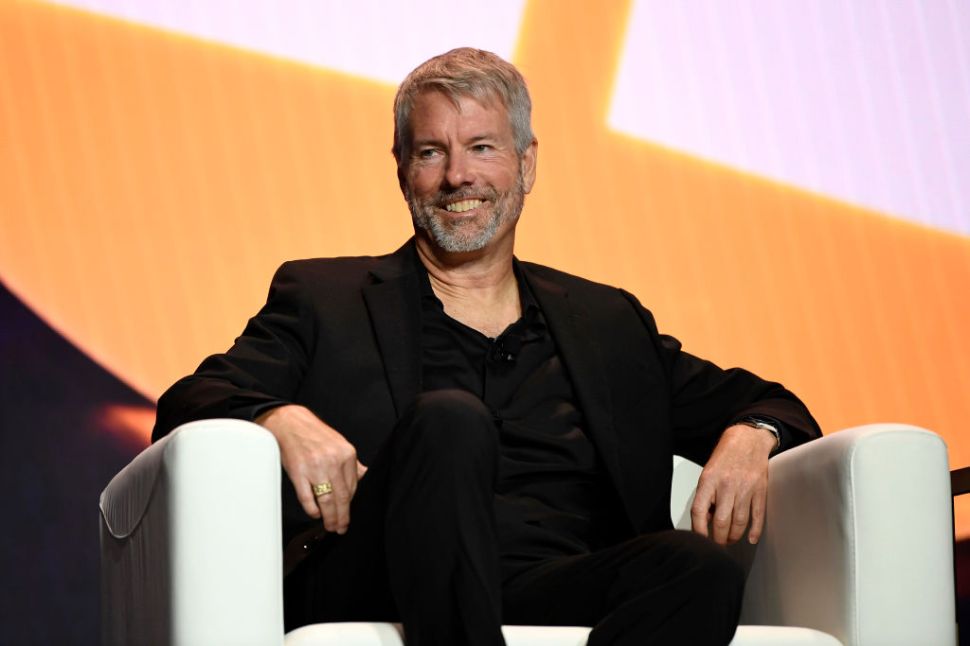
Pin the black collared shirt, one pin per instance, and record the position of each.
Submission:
(551, 490)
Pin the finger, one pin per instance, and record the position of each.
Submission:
(723, 512)
(700, 510)
(759, 502)
(328, 508)
(343, 493)
(739, 518)
(304, 493)
(350, 473)
(341, 511)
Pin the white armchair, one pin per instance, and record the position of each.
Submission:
(858, 548)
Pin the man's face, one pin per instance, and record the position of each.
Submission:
(462, 178)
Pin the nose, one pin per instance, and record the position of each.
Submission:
(459, 172)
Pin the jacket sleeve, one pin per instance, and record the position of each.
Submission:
(262, 369)
(705, 399)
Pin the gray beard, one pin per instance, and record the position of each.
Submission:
(467, 235)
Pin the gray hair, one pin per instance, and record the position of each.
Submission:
(465, 72)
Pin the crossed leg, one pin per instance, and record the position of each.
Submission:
(422, 549)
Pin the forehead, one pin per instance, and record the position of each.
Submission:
(435, 114)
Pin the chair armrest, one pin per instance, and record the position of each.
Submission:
(859, 539)
(190, 540)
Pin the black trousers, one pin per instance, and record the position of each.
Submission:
(422, 549)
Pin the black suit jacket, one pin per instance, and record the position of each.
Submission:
(341, 336)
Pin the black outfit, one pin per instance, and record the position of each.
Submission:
(552, 496)
(359, 342)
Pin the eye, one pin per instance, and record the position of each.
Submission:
(427, 153)
(481, 148)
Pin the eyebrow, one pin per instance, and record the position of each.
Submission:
(425, 142)
(431, 141)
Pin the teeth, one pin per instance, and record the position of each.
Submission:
(464, 205)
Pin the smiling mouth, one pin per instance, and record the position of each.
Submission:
(463, 205)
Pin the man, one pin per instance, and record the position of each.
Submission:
(516, 423)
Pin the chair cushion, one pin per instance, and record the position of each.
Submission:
(382, 634)
(782, 636)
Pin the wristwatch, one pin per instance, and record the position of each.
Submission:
(760, 422)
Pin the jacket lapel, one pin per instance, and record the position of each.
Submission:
(394, 305)
(577, 345)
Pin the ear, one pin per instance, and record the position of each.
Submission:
(402, 179)
(527, 165)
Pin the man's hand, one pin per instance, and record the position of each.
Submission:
(732, 489)
(312, 453)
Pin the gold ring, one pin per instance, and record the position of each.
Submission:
(322, 489)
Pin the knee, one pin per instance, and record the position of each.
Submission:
(451, 403)
(451, 422)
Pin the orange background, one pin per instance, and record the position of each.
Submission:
(150, 183)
